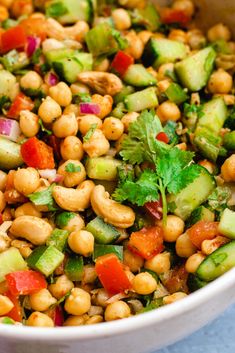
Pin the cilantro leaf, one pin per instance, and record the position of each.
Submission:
(36, 56)
(138, 192)
(219, 198)
(44, 198)
(72, 168)
(81, 97)
(56, 9)
(48, 132)
(184, 178)
(190, 109)
(63, 219)
(141, 144)
(89, 133)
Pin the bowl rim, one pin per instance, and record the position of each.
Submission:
(107, 329)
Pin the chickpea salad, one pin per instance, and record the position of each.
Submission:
(117, 163)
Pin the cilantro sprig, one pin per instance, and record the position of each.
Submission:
(72, 168)
(44, 198)
(90, 132)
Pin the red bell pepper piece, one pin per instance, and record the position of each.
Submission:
(25, 282)
(13, 38)
(1, 219)
(147, 242)
(162, 136)
(154, 209)
(203, 230)
(169, 16)
(111, 274)
(21, 102)
(16, 312)
(121, 62)
(37, 154)
(54, 143)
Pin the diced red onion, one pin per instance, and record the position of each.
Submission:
(51, 79)
(58, 317)
(32, 44)
(9, 129)
(58, 178)
(89, 108)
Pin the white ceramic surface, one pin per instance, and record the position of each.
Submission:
(147, 332)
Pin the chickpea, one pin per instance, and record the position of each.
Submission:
(86, 121)
(76, 320)
(168, 111)
(105, 103)
(145, 36)
(61, 287)
(219, 31)
(20, 8)
(144, 283)
(102, 65)
(160, 263)
(26, 180)
(29, 124)
(135, 45)
(173, 229)
(41, 300)
(72, 108)
(6, 3)
(51, 44)
(49, 110)
(112, 128)
(81, 242)
(208, 165)
(129, 118)
(64, 126)
(23, 246)
(164, 69)
(209, 246)
(71, 148)
(228, 169)
(78, 302)
(2, 201)
(133, 261)
(89, 274)
(4, 14)
(178, 35)
(3, 180)
(193, 262)
(186, 6)
(29, 209)
(39, 320)
(121, 19)
(61, 93)
(79, 88)
(220, 82)
(97, 145)
(72, 178)
(196, 39)
(184, 247)
(169, 299)
(31, 80)
(75, 223)
(94, 320)
(117, 310)
(5, 305)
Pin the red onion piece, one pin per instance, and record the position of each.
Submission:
(32, 44)
(58, 317)
(58, 178)
(9, 129)
(89, 108)
(51, 79)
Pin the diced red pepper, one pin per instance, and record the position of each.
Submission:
(121, 62)
(111, 274)
(21, 102)
(162, 136)
(169, 16)
(25, 282)
(16, 312)
(37, 154)
(177, 280)
(54, 143)
(147, 242)
(13, 38)
(1, 219)
(154, 209)
(203, 230)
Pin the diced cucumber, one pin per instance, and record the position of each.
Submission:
(70, 11)
(161, 51)
(126, 90)
(194, 71)
(194, 283)
(58, 239)
(215, 113)
(74, 268)
(200, 214)
(229, 140)
(14, 60)
(11, 261)
(85, 59)
(104, 233)
(100, 250)
(58, 54)
(188, 199)
(227, 224)
(141, 100)
(10, 156)
(175, 93)
(217, 263)
(102, 168)
(207, 145)
(68, 69)
(45, 259)
(7, 83)
(119, 111)
(147, 17)
(136, 75)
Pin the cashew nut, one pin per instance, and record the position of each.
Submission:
(101, 82)
(74, 199)
(34, 229)
(113, 212)
(56, 31)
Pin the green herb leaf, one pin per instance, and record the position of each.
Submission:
(48, 132)
(63, 219)
(7, 321)
(90, 132)
(44, 198)
(184, 178)
(81, 97)
(122, 42)
(218, 199)
(56, 9)
(72, 168)
(190, 109)
(36, 56)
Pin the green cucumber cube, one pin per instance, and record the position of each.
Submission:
(11, 261)
(104, 233)
(227, 224)
(74, 268)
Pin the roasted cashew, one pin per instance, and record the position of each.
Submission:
(113, 212)
(74, 199)
(34, 229)
(56, 31)
(101, 82)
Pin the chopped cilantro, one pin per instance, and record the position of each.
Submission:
(219, 198)
(72, 168)
(56, 9)
(63, 219)
(81, 98)
(193, 109)
(89, 133)
(36, 56)
(5, 103)
(44, 198)
(48, 132)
